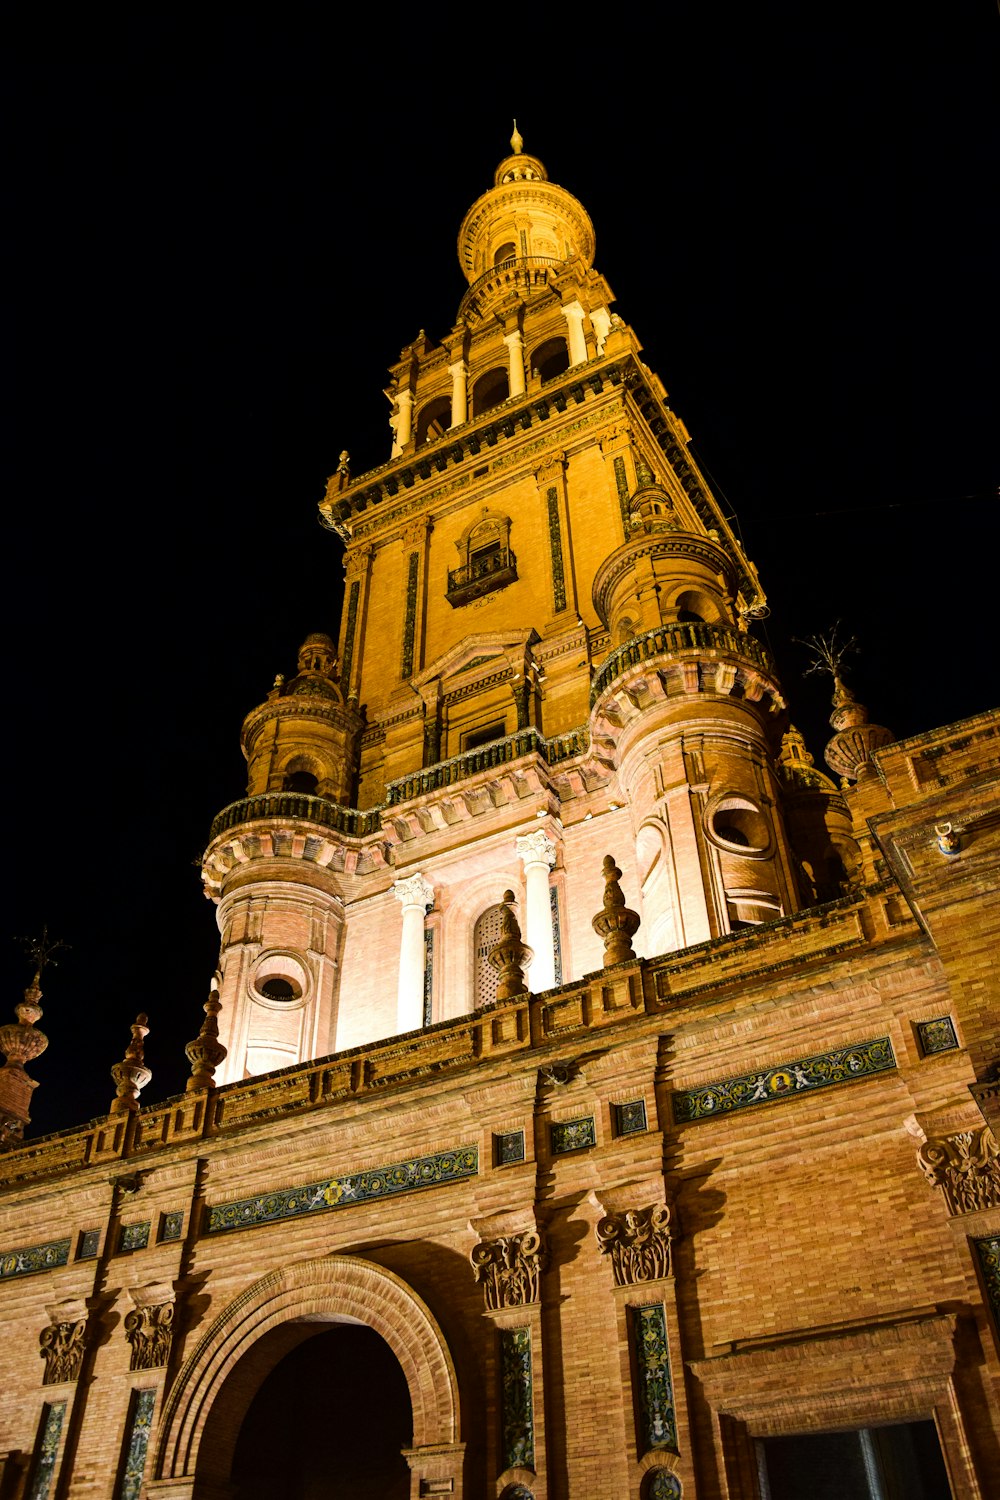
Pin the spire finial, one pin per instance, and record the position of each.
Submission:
(849, 753)
(206, 1052)
(516, 142)
(20, 1041)
(131, 1074)
(617, 924)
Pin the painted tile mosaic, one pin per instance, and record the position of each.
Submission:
(988, 1253)
(352, 625)
(33, 1258)
(90, 1240)
(556, 933)
(630, 1118)
(517, 1438)
(508, 1148)
(555, 547)
(410, 622)
(937, 1035)
(428, 975)
(172, 1225)
(657, 1422)
(621, 483)
(134, 1237)
(573, 1135)
(662, 1485)
(47, 1450)
(130, 1487)
(341, 1192)
(785, 1080)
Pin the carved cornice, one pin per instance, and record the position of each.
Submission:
(639, 1243)
(509, 1269)
(966, 1167)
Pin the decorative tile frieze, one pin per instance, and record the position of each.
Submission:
(46, 1450)
(630, 1118)
(341, 1192)
(555, 548)
(90, 1240)
(988, 1254)
(556, 934)
(655, 1393)
(517, 1435)
(428, 1011)
(937, 1035)
(638, 1241)
(410, 619)
(508, 1148)
(784, 1081)
(621, 484)
(573, 1135)
(352, 624)
(509, 1269)
(172, 1225)
(62, 1343)
(33, 1258)
(966, 1166)
(139, 1428)
(134, 1236)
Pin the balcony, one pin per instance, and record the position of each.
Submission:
(296, 805)
(671, 640)
(492, 569)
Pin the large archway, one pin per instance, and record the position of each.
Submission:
(332, 1418)
(223, 1372)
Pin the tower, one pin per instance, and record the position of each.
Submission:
(545, 652)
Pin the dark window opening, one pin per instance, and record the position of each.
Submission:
(550, 359)
(301, 781)
(484, 560)
(688, 617)
(276, 988)
(484, 736)
(731, 834)
(505, 252)
(433, 420)
(489, 390)
(899, 1462)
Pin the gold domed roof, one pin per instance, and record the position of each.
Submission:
(524, 216)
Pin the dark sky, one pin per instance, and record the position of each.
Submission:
(224, 235)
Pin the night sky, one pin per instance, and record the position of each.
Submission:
(224, 236)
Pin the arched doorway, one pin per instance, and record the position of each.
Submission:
(230, 1364)
(331, 1419)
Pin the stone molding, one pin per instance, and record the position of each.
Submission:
(510, 1269)
(639, 1243)
(966, 1166)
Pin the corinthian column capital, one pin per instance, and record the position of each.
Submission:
(536, 848)
(413, 890)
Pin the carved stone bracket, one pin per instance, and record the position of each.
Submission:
(149, 1327)
(638, 1241)
(966, 1166)
(510, 1269)
(62, 1343)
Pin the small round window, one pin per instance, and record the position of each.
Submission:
(737, 824)
(276, 988)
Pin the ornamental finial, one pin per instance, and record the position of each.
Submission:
(516, 143)
(617, 923)
(850, 752)
(20, 1041)
(206, 1052)
(131, 1074)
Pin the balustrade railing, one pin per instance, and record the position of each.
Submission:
(347, 820)
(667, 640)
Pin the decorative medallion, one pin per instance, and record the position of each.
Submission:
(342, 1192)
(966, 1166)
(508, 1148)
(140, 1426)
(172, 1225)
(937, 1035)
(510, 1269)
(638, 1242)
(90, 1240)
(573, 1135)
(785, 1081)
(630, 1118)
(517, 1434)
(661, 1484)
(657, 1422)
(33, 1258)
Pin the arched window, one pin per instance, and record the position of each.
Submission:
(489, 390)
(549, 359)
(484, 939)
(507, 251)
(433, 420)
(487, 560)
(300, 781)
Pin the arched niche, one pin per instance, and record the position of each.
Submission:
(219, 1377)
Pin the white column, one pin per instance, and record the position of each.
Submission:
(574, 315)
(414, 895)
(600, 321)
(515, 358)
(459, 393)
(402, 422)
(538, 854)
